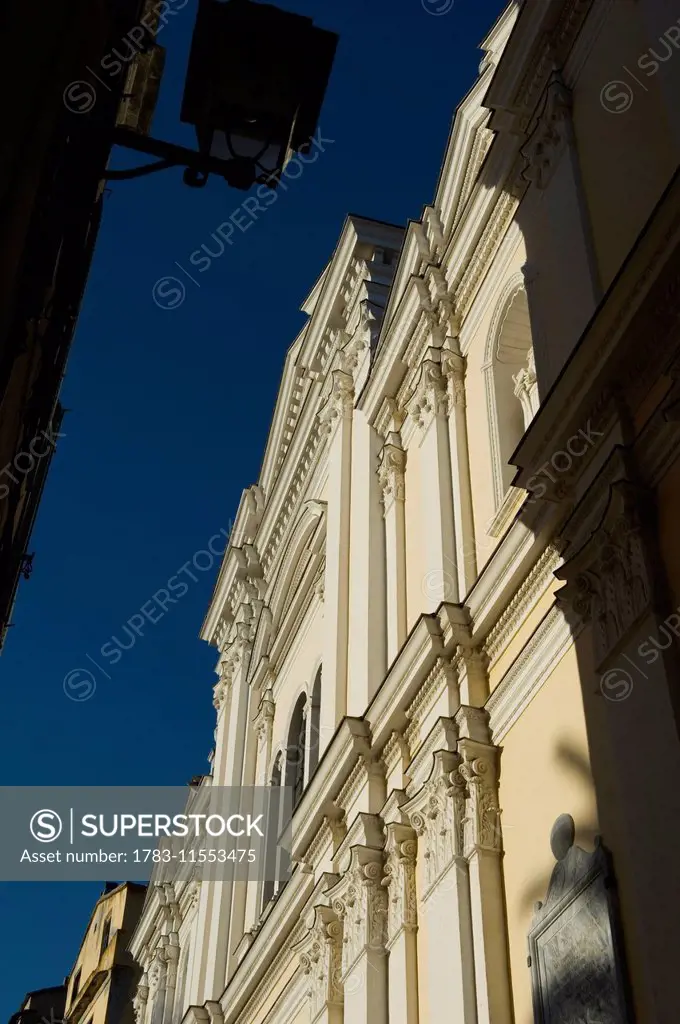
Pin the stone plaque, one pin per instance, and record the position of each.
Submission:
(575, 952)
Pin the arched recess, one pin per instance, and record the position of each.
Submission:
(303, 553)
(510, 381)
(314, 725)
(296, 750)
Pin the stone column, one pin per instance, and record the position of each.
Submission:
(392, 476)
(448, 970)
(429, 407)
(402, 923)
(320, 955)
(454, 366)
(360, 901)
(336, 422)
(482, 847)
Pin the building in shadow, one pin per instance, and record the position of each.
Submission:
(58, 69)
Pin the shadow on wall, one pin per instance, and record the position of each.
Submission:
(567, 759)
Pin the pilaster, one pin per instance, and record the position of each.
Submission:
(429, 407)
(392, 478)
(336, 422)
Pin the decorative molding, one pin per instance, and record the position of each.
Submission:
(527, 674)
(392, 471)
(320, 954)
(339, 404)
(550, 135)
(430, 398)
(360, 901)
(400, 880)
(531, 590)
(437, 814)
(608, 582)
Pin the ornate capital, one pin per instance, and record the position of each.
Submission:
(454, 366)
(140, 999)
(400, 880)
(265, 718)
(392, 469)
(360, 902)
(549, 136)
(608, 581)
(320, 954)
(430, 398)
(481, 826)
(340, 403)
(436, 813)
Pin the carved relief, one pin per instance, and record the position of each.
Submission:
(140, 999)
(360, 901)
(550, 135)
(608, 581)
(400, 880)
(340, 402)
(321, 959)
(576, 960)
(430, 397)
(482, 813)
(437, 814)
(392, 469)
(265, 719)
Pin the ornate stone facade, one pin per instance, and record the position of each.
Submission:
(475, 412)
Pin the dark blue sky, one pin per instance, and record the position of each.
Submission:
(168, 416)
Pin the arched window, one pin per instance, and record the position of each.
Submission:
(296, 750)
(315, 712)
(512, 389)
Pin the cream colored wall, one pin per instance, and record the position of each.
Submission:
(626, 158)
(415, 576)
(545, 772)
(89, 956)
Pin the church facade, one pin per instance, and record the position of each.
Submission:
(447, 617)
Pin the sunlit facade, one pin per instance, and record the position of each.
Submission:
(446, 616)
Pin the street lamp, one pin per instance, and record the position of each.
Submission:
(255, 84)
